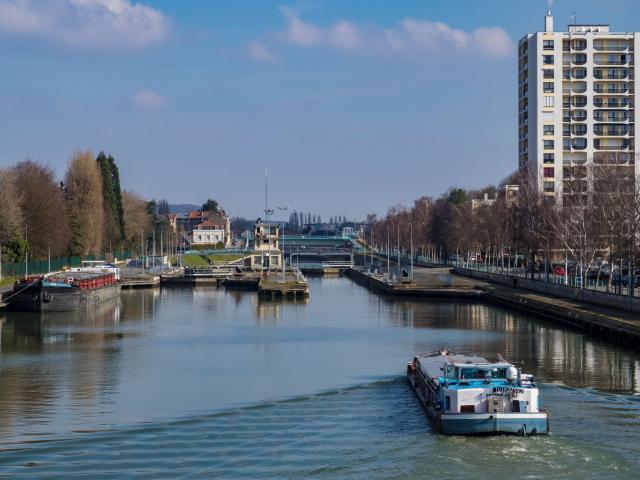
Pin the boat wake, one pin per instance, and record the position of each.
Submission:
(372, 430)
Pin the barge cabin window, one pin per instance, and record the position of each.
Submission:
(481, 373)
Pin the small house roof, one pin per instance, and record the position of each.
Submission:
(207, 225)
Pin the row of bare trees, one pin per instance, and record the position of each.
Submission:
(85, 214)
(596, 218)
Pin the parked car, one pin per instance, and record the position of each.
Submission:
(622, 278)
(559, 270)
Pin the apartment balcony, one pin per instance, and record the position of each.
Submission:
(605, 130)
(604, 102)
(575, 88)
(578, 45)
(611, 61)
(578, 115)
(615, 117)
(611, 89)
(615, 74)
(574, 144)
(578, 129)
(611, 147)
(610, 48)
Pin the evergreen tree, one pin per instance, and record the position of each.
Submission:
(112, 198)
(163, 207)
(210, 206)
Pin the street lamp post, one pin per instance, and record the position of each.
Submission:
(388, 253)
(398, 248)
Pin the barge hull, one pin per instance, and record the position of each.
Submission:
(55, 299)
(494, 424)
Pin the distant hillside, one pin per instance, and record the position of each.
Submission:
(183, 207)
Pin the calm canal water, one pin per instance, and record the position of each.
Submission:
(207, 383)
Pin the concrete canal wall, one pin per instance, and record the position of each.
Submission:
(604, 299)
(602, 321)
(433, 283)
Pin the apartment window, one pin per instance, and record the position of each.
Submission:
(548, 171)
(547, 59)
(580, 73)
(549, 158)
(548, 186)
(547, 73)
(547, 129)
(548, 101)
(580, 143)
(548, 144)
(547, 44)
(579, 129)
(547, 87)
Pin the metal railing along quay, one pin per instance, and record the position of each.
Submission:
(601, 283)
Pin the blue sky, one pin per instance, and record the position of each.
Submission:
(352, 105)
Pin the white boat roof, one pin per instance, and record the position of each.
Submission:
(432, 365)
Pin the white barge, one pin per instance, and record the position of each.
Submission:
(468, 395)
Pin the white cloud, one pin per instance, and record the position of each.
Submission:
(260, 52)
(409, 37)
(84, 24)
(148, 100)
(303, 33)
(345, 35)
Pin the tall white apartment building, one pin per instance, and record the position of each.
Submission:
(576, 103)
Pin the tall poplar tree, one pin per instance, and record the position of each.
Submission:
(85, 203)
(112, 199)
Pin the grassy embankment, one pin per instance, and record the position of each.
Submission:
(7, 281)
(207, 260)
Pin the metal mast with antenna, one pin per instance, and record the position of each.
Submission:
(267, 211)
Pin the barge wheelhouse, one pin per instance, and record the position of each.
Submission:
(467, 395)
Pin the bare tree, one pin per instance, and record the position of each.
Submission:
(11, 218)
(46, 224)
(83, 184)
(137, 221)
(578, 223)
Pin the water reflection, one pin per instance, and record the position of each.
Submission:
(140, 304)
(171, 352)
(49, 357)
(552, 353)
(271, 310)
